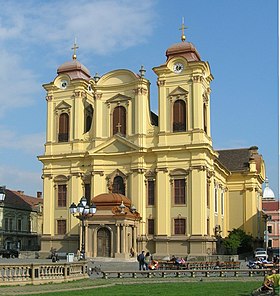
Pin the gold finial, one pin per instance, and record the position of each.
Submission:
(183, 37)
(75, 47)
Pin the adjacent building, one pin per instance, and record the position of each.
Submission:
(21, 221)
(270, 206)
(156, 180)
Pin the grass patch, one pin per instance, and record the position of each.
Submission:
(241, 288)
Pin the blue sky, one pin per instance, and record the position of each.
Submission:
(238, 38)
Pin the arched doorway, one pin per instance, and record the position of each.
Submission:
(103, 243)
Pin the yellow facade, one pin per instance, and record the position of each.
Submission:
(197, 197)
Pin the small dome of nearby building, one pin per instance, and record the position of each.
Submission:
(268, 192)
(111, 199)
(184, 49)
(74, 69)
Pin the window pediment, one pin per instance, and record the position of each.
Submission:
(60, 178)
(178, 92)
(118, 98)
(63, 106)
(178, 173)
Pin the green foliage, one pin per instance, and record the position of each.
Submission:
(238, 242)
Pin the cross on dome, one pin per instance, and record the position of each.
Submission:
(75, 47)
(183, 37)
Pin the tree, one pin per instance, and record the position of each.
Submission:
(238, 242)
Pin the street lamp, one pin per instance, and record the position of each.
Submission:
(2, 193)
(83, 211)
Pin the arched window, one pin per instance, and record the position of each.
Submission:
(63, 132)
(119, 120)
(179, 116)
(88, 118)
(205, 117)
(118, 185)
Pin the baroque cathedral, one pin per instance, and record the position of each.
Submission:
(156, 180)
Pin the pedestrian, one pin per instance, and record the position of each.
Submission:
(140, 259)
(147, 260)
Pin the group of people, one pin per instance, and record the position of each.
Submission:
(146, 261)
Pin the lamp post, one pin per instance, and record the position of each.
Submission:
(2, 197)
(83, 211)
(2, 193)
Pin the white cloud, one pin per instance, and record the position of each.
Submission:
(32, 144)
(19, 83)
(102, 26)
(14, 177)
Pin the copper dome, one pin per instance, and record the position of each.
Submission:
(184, 49)
(111, 199)
(74, 69)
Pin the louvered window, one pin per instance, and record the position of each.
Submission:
(63, 134)
(179, 116)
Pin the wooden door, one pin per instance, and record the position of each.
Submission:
(103, 243)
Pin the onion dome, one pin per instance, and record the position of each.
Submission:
(268, 192)
(183, 49)
(74, 69)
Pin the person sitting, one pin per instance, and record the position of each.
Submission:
(273, 280)
(153, 265)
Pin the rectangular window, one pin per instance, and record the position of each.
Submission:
(151, 192)
(19, 225)
(151, 226)
(179, 191)
(61, 227)
(222, 203)
(269, 229)
(61, 196)
(180, 226)
(10, 224)
(216, 200)
(6, 224)
(208, 193)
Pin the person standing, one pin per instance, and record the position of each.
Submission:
(147, 260)
(140, 259)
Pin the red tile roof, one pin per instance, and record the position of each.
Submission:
(18, 200)
(270, 205)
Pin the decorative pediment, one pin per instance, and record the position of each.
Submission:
(178, 91)
(117, 144)
(118, 98)
(63, 105)
(178, 172)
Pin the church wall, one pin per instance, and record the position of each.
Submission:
(146, 151)
(236, 206)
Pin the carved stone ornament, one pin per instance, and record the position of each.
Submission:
(197, 78)
(161, 82)
(97, 96)
(49, 98)
(141, 91)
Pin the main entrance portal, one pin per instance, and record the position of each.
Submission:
(103, 243)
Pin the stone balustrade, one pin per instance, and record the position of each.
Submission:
(39, 273)
(185, 273)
